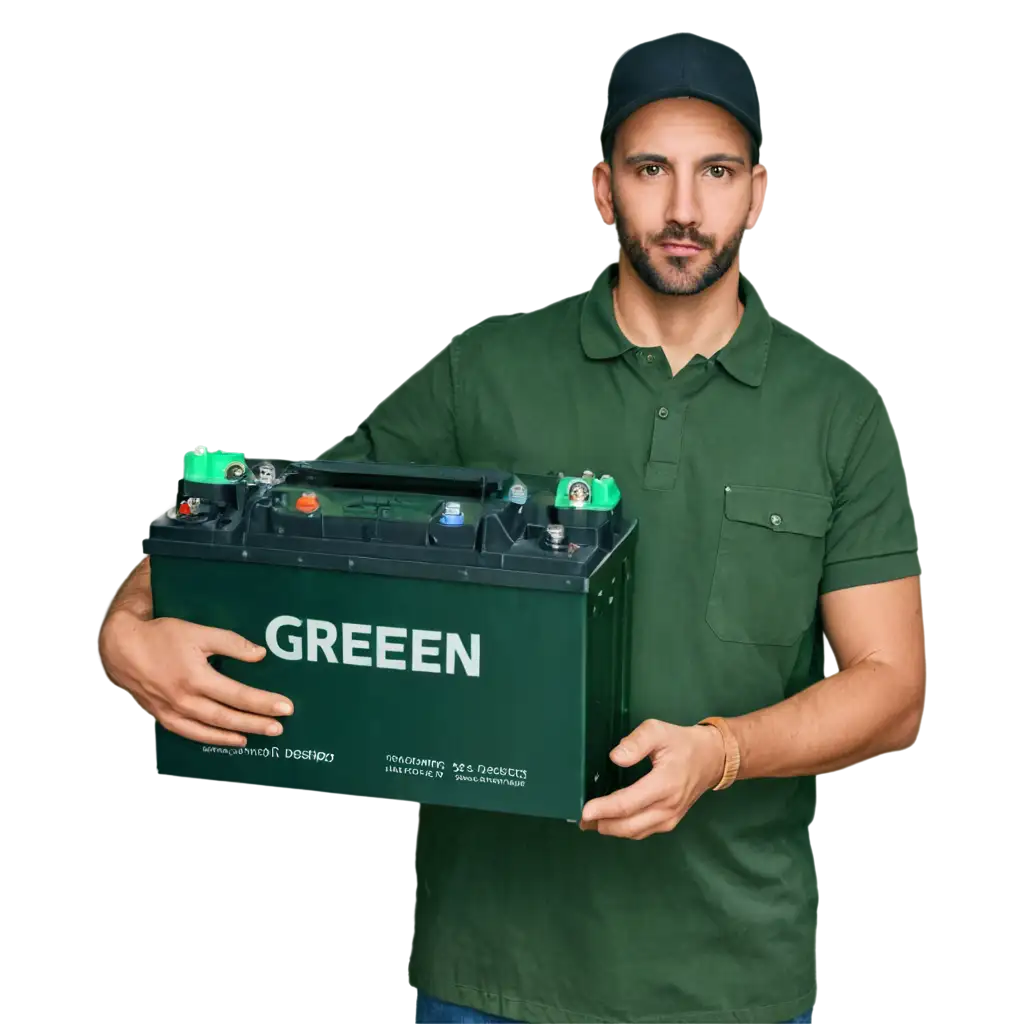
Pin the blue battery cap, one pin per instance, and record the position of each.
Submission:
(452, 514)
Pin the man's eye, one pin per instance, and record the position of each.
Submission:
(719, 167)
(647, 167)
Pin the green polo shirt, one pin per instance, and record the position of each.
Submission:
(762, 477)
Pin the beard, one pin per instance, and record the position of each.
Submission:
(694, 281)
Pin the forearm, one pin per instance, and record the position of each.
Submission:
(867, 709)
(128, 603)
(135, 595)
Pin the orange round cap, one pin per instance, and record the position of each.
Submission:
(307, 502)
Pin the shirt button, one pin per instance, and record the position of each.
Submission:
(650, 357)
(663, 413)
(776, 519)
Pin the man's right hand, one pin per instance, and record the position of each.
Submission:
(163, 664)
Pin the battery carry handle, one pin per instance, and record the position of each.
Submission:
(454, 481)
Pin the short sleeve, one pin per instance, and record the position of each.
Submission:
(415, 423)
(872, 538)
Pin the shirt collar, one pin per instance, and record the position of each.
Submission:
(744, 356)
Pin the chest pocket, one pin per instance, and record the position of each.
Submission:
(769, 563)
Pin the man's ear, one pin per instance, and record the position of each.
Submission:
(591, 178)
(758, 187)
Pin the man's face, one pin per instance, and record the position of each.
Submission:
(681, 175)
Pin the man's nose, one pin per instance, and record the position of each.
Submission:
(684, 203)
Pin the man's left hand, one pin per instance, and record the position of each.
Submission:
(686, 761)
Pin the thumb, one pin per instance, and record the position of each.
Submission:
(640, 743)
(224, 641)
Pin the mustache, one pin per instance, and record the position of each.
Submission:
(685, 236)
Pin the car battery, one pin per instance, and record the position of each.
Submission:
(446, 635)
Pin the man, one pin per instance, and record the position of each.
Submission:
(773, 508)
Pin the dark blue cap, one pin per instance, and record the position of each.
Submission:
(681, 65)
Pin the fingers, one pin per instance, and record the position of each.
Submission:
(623, 802)
(212, 640)
(193, 730)
(234, 694)
(210, 699)
(163, 664)
(638, 826)
(208, 712)
(222, 699)
(640, 743)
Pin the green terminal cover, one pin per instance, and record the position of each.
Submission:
(224, 461)
(600, 495)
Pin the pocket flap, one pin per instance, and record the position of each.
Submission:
(778, 509)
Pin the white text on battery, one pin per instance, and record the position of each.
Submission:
(388, 643)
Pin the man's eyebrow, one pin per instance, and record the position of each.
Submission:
(724, 158)
(646, 158)
(658, 158)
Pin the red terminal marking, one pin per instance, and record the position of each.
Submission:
(183, 509)
(307, 503)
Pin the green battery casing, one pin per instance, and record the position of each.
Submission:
(467, 685)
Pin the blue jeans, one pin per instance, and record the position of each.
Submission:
(435, 1011)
